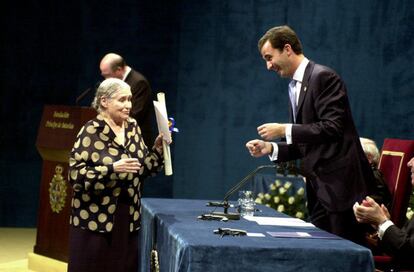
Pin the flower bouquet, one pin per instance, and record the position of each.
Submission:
(284, 198)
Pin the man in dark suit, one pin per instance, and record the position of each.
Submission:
(322, 134)
(113, 65)
(397, 242)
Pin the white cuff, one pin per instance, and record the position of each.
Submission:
(383, 227)
(273, 156)
(288, 132)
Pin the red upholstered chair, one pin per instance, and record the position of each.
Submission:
(395, 155)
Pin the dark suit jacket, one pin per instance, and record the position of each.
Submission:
(400, 244)
(142, 107)
(326, 140)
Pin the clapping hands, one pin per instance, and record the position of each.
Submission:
(370, 212)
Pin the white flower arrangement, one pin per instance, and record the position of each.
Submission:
(284, 198)
(409, 213)
(410, 209)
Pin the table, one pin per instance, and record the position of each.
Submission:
(185, 243)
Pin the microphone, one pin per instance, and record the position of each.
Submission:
(86, 92)
(225, 202)
(82, 95)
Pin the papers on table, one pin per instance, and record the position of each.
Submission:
(255, 234)
(300, 234)
(279, 221)
(312, 233)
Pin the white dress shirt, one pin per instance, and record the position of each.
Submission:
(127, 71)
(298, 76)
(383, 227)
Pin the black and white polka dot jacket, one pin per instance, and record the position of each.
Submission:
(96, 187)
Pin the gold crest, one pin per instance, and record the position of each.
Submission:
(57, 190)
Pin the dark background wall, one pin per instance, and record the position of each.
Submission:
(203, 54)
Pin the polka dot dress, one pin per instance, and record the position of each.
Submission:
(96, 186)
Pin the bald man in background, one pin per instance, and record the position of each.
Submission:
(113, 65)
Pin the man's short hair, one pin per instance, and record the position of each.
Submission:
(279, 36)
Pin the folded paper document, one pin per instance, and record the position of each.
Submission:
(279, 221)
(300, 234)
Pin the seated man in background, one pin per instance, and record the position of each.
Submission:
(396, 242)
(382, 194)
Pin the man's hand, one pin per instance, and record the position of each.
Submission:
(370, 212)
(259, 148)
(271, 131)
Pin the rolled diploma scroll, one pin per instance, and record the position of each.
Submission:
(165, 147)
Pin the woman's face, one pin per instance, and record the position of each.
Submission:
(119, 105)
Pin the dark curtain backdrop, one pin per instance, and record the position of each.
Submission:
(224, 90)
(204, 55)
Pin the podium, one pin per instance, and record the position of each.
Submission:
(56, 136)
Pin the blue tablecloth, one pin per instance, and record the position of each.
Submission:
(185, 243)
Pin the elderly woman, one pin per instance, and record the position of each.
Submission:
(108, 164)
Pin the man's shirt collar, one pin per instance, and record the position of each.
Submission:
(300, 71)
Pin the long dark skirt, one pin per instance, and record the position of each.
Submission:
(115, 251)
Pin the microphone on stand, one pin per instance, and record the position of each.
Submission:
(86, 92)
(225, 203)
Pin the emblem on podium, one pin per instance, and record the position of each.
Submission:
(57, 190)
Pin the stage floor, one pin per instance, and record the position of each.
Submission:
(15, 245)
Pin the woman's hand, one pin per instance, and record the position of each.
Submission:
(158, 143)
(128, 165)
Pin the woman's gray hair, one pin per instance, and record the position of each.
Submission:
(107, 88)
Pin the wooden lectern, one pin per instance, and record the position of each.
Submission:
(56, 136)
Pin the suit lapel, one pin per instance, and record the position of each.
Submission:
(305, 84)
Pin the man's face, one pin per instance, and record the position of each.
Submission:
(107, 72)
(277, 60)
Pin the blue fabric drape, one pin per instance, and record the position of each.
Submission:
(204, 55)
